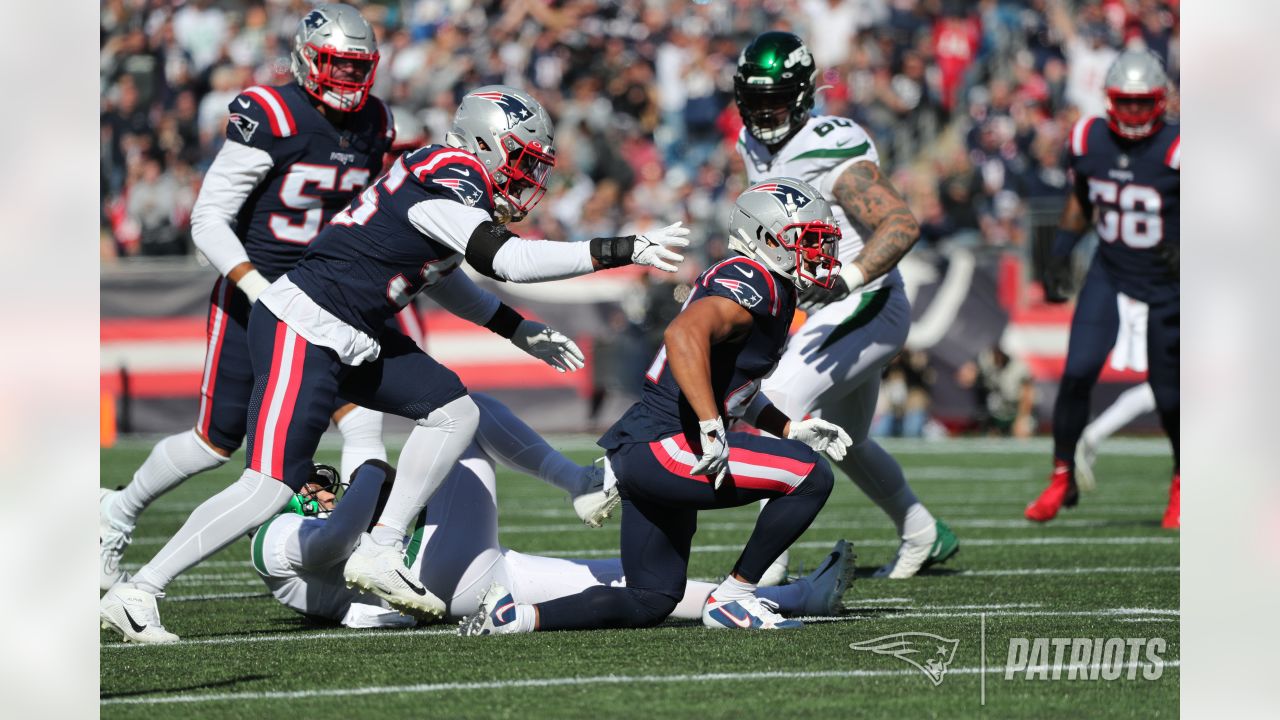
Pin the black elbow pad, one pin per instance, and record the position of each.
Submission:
(483, 246)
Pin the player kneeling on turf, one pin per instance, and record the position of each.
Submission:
(455, 552)
(670, 450)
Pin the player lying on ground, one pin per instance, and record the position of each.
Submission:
(1129, 353)
(455, 551)
(1127, 177)
(670, 450)
(832, 366)
(295, 154)
(319, 333)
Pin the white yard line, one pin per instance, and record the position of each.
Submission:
(552, 682)
(294, 637)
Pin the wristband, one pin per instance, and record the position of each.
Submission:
(504, 321)
(853, 277)
(613, 251)
(252, 284)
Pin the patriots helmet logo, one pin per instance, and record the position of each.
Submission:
(516, 111)
(746, 295)
(930, 654)
(467, 191)
(315, 20)
(790, 197)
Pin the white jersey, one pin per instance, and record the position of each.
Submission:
(818, 154)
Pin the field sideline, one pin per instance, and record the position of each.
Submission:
(1104, 570)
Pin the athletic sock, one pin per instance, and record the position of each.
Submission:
(1133, 402)
(429, 455)
(361, 430)
(215, 524)
(387, 536)
(171, 461)
(526, 620)
(880, 478)
(733, 589)
(918, 520)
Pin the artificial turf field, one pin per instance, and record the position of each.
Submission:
(1105, 569)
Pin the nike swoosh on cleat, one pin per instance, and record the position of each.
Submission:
(744, 622)
(412, 586)
(831, 561)
(132, 623)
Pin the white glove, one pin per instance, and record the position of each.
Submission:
(252, 284)
(654, 248)
(821, 436)
(715, 451)
(550, 346)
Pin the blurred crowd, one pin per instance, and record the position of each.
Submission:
(969, 102)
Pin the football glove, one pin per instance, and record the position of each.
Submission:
(654, 248)
(714, 460)
(822, 436)
(550, 346)
(816, 296)
(1057, 279)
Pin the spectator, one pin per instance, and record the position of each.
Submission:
(1004, 394)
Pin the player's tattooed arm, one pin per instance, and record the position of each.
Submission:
(870, 200)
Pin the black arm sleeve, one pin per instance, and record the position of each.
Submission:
(613, 251)
(483, 246)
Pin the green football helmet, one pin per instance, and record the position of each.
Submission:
(305, 504)
(774, 86)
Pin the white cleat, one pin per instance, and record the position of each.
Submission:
(749, 613)
(496, 614)
(935, 544)
(828, 584)
(132, 612)
(1086, 454)
(113, 539)
(601, 498)
(380, 569)
(777, 572)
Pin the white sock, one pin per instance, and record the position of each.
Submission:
(733, 589)
(791, 598)
(361, 439)
(215, 524)
(428, 456)
(880, 477)
(918, 520)
(171, 461)
(507, 439)
(526, 620)
(1133, 402)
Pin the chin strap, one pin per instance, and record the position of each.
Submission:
(742, 243)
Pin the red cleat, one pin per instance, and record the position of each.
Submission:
(1173, 513)
(1061, 492)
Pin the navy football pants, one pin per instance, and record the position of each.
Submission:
(660, 504)
(1093, 333)
(298, 385)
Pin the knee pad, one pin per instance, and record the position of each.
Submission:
(461, 415)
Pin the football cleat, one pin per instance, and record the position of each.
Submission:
(495, 616)
(1086, 454)
(132, 612)
(1061, 493)
(113, 540)
(380, 569)
(926, 548)
(598, 503)
(828, 584)
(749, 613)
(1173, 513)
(777, 572)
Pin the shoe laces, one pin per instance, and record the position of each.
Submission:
(762, 608)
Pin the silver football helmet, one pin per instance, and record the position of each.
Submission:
(787, 225)
(1136, 86)
(335, 56)
(513, 136)
(411, 134)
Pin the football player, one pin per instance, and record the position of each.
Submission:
(455, 552)
(294, 155)
(670, 451)
(319, 333)
(1126, 171)
(832, 366)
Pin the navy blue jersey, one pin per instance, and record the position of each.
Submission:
(383, 249)
(736, 367)
(1133, 187)
(316, 168)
